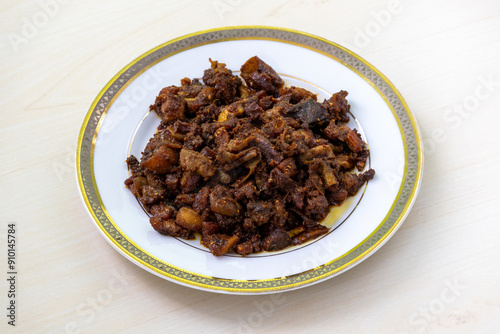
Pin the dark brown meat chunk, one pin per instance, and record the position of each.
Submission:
(310, 234)
(161, 161)
(193, 141)
(352, 182)
(268, 150)
(196, 162)
(146, 193)
(222, 202)
(338, 106)
(162, 211)
(335, 132)
(276, 240)
(201, 200)
(172, 182)
(246, 191)
(169, 227)
(204, 97)
(225, 84)
(297, 94)
(309, 112)
(250, 167)
(317, 205)
(219, 244)
(184, 200)
(244, 248)
(260, 76)
(189, 181)
(260, 212)
(354, 141)
(168, 105)
(251, 244)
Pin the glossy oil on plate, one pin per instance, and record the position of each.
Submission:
(118, 124)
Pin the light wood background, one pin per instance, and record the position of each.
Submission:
(440, 273)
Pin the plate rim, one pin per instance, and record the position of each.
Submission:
(234, 286)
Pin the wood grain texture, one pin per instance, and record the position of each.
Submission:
(438, 274)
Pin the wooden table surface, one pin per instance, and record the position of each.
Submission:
(438, 274)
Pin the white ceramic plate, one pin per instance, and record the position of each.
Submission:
(118, 124)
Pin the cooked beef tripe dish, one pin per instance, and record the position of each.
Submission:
(248, 163)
